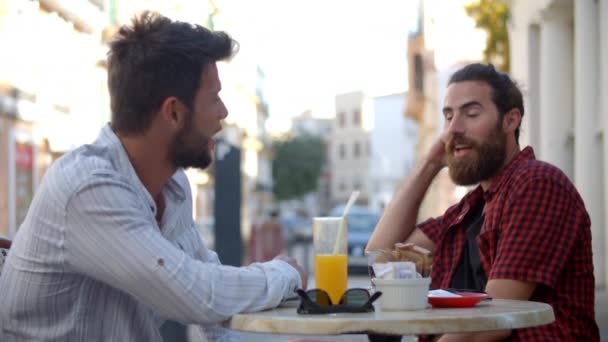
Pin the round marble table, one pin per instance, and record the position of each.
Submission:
(497, 314)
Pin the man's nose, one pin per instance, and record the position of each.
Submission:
(456, 125)
(223, 111)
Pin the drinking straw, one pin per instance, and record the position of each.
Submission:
(351, 201)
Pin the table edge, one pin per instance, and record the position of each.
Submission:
(263, 324)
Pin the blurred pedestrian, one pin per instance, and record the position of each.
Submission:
(267, 239)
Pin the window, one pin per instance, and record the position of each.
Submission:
(356, 150)
(419, 73)
(341, 119)
(357, 183)
(342, 151)
(357, 117)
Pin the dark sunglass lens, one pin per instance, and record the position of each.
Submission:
(355, 297)
(320, 297)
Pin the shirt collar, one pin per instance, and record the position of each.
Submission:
(505, 173)
(121, 161)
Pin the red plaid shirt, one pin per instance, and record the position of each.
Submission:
(536, 229)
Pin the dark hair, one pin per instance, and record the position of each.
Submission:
(505, 92)
(155, 58)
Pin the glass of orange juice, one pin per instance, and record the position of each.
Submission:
(331, 269)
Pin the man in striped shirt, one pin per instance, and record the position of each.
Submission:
(108, 250)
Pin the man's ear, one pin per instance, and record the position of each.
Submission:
(172, 112)
(511, 121)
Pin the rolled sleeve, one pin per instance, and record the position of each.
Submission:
(433, 229)
(538, 234)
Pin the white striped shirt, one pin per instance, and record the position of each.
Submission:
(89, 262)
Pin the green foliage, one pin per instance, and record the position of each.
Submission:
(492, 16)
(297, 166)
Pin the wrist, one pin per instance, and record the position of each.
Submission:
(430, 168)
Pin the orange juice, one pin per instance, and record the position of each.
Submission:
(331, 274)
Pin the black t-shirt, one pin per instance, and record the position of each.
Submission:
(470, 274)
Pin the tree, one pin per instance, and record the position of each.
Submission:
(297, 166)
(492, 16)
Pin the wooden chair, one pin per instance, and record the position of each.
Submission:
(5, 243)
(4, 247)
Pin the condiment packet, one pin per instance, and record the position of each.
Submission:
(383, 270)
(395, 270)
(404, 270)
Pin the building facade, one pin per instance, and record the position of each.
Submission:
(53, 93)
(351, 148)
(435, 50)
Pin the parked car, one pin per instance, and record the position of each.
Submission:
(296, 228)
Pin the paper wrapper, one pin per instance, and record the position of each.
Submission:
(402, 252)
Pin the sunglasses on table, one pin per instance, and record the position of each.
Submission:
(317, 301)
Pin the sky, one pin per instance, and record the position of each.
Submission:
(312, 50)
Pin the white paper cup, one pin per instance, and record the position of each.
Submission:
(403, 294)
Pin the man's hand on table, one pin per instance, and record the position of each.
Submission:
(497, 288)
(291, 261)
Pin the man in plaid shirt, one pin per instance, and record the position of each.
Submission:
(523, 233)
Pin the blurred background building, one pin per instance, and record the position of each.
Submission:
(351, 150)
(436, 49)
(52, 80)
(392, 141)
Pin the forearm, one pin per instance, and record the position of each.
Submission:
(181, 288)
(110, 239)
(399, 218)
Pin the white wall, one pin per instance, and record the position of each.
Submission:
(393, 143)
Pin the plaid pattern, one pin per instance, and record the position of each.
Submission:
(536, 229)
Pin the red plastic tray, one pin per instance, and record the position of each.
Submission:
(467, 299)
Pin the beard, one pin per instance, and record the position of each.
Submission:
(483, 163)
(190, 148)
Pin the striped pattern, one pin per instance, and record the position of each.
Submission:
(89, 263)
(536, 229)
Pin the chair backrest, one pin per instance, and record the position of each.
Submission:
(4, 247)
(5, 243)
